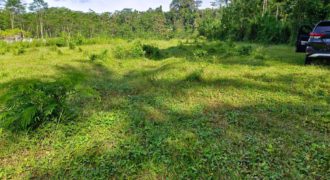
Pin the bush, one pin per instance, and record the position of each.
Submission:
(134, 50)
(101, 56)
(59, 42)
(244, 50)
(258, 53)
(4, 49)
(200, 53)
(19, 51)
(2, 52)
(56, 49)
(72, 45)
(13, 32)
(152, 52)
(29, 104)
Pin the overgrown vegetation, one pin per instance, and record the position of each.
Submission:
(101, 56)
(87, 99)
(270, 21)
(201, 110)
(26, 105)
(132, 50)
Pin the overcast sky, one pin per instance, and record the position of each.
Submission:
(112, 5)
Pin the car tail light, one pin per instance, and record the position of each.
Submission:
(317, 35)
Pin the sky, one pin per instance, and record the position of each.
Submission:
(112, 5)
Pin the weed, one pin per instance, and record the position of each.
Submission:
(101, 56)
(59, 42)
(19, 51)
(59, 51)
(3, 51)
(152, 52)
(29, 104)
(244, 50)
(132, 50)
(199, 53)
(259, 53)
(72, 45)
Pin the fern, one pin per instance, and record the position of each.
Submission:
(27, 105)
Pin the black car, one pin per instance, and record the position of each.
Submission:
(316, 42)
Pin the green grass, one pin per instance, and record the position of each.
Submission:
(201, 110)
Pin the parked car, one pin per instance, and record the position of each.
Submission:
(315, 43)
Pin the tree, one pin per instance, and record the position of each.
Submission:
(14, 7)
(184, 13)
(39, 7)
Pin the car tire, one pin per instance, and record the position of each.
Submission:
(308, 61)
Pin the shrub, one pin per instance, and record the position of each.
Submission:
(152, 51)
(59, 52)
(133, 50)
(13, 32)
(258, 53)
(72, 45)
(200, 53)
(19, 51)
(212, 50)
(230, 44)
(244, 50)
(181, 45)
(56, 49)
(136, 50)
(79, 40)
(4, 50)
(59, 42)
(29, 104)
(101, 56)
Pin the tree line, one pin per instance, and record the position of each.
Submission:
(271, 21)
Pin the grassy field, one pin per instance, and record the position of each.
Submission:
(192, 110)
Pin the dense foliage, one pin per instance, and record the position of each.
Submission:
(273, 21)
(263, 20)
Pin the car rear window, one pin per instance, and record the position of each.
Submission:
(323, 27)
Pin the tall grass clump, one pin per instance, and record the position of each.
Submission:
(19, 50)
(200, 53)
(259, 53)
(99, 56)
(56, 49)
(72, 45)
(244, 50)
(59, 42)
(131, 50)
(3, 49)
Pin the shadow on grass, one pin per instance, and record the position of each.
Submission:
(233, 54)
(214, 52)
(162, 139)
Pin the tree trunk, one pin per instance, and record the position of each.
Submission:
(41, 27)
(265, 7)
(277, 11)
(12, 20)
